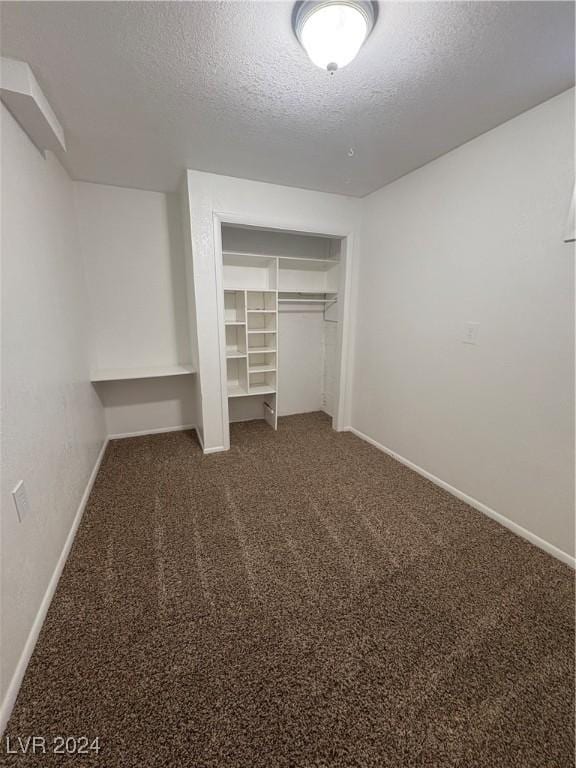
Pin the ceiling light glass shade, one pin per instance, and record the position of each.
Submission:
(332, 32)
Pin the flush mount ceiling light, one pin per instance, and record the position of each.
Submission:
(333, 31)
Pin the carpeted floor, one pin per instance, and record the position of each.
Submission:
(301, 601)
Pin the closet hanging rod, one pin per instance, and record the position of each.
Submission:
(307, 301)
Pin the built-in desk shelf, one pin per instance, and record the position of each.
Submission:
(152, 372)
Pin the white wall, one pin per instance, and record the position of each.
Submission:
(148, 405)
(133, 251)
(477, 236)
(52, 421)
(300, 360)
(257, 204)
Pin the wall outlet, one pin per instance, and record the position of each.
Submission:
(21, 501)
(470, 335)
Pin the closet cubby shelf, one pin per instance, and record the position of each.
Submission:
(261, 368)
(259, 350)
(246, 314)
(151, 372)
(236, 390)
(261, 389)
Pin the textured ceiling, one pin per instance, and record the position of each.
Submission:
(144, 90)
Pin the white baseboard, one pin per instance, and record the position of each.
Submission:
(163, 430)
(216, 449)
(506, 522)
(156, 431)
(199, 438)
(18, 676)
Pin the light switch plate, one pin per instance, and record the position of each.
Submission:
(21, 501)
(470, 335)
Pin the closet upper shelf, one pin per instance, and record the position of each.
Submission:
(318, 265)
(285, 262)
(151, 372)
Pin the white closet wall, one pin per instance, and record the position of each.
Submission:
(301, 362)
(133, 252)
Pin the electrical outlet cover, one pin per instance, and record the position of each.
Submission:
(470, 334)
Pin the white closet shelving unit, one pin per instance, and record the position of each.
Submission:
(255, 284)
(251, 327)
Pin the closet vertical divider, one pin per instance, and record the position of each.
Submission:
(235, 319)
(262, 320)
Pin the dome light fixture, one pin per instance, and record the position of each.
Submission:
(333, 31)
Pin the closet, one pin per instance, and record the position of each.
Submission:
(281, 318)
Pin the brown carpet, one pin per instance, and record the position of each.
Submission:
(301, 601)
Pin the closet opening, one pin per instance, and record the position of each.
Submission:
(281, 323)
